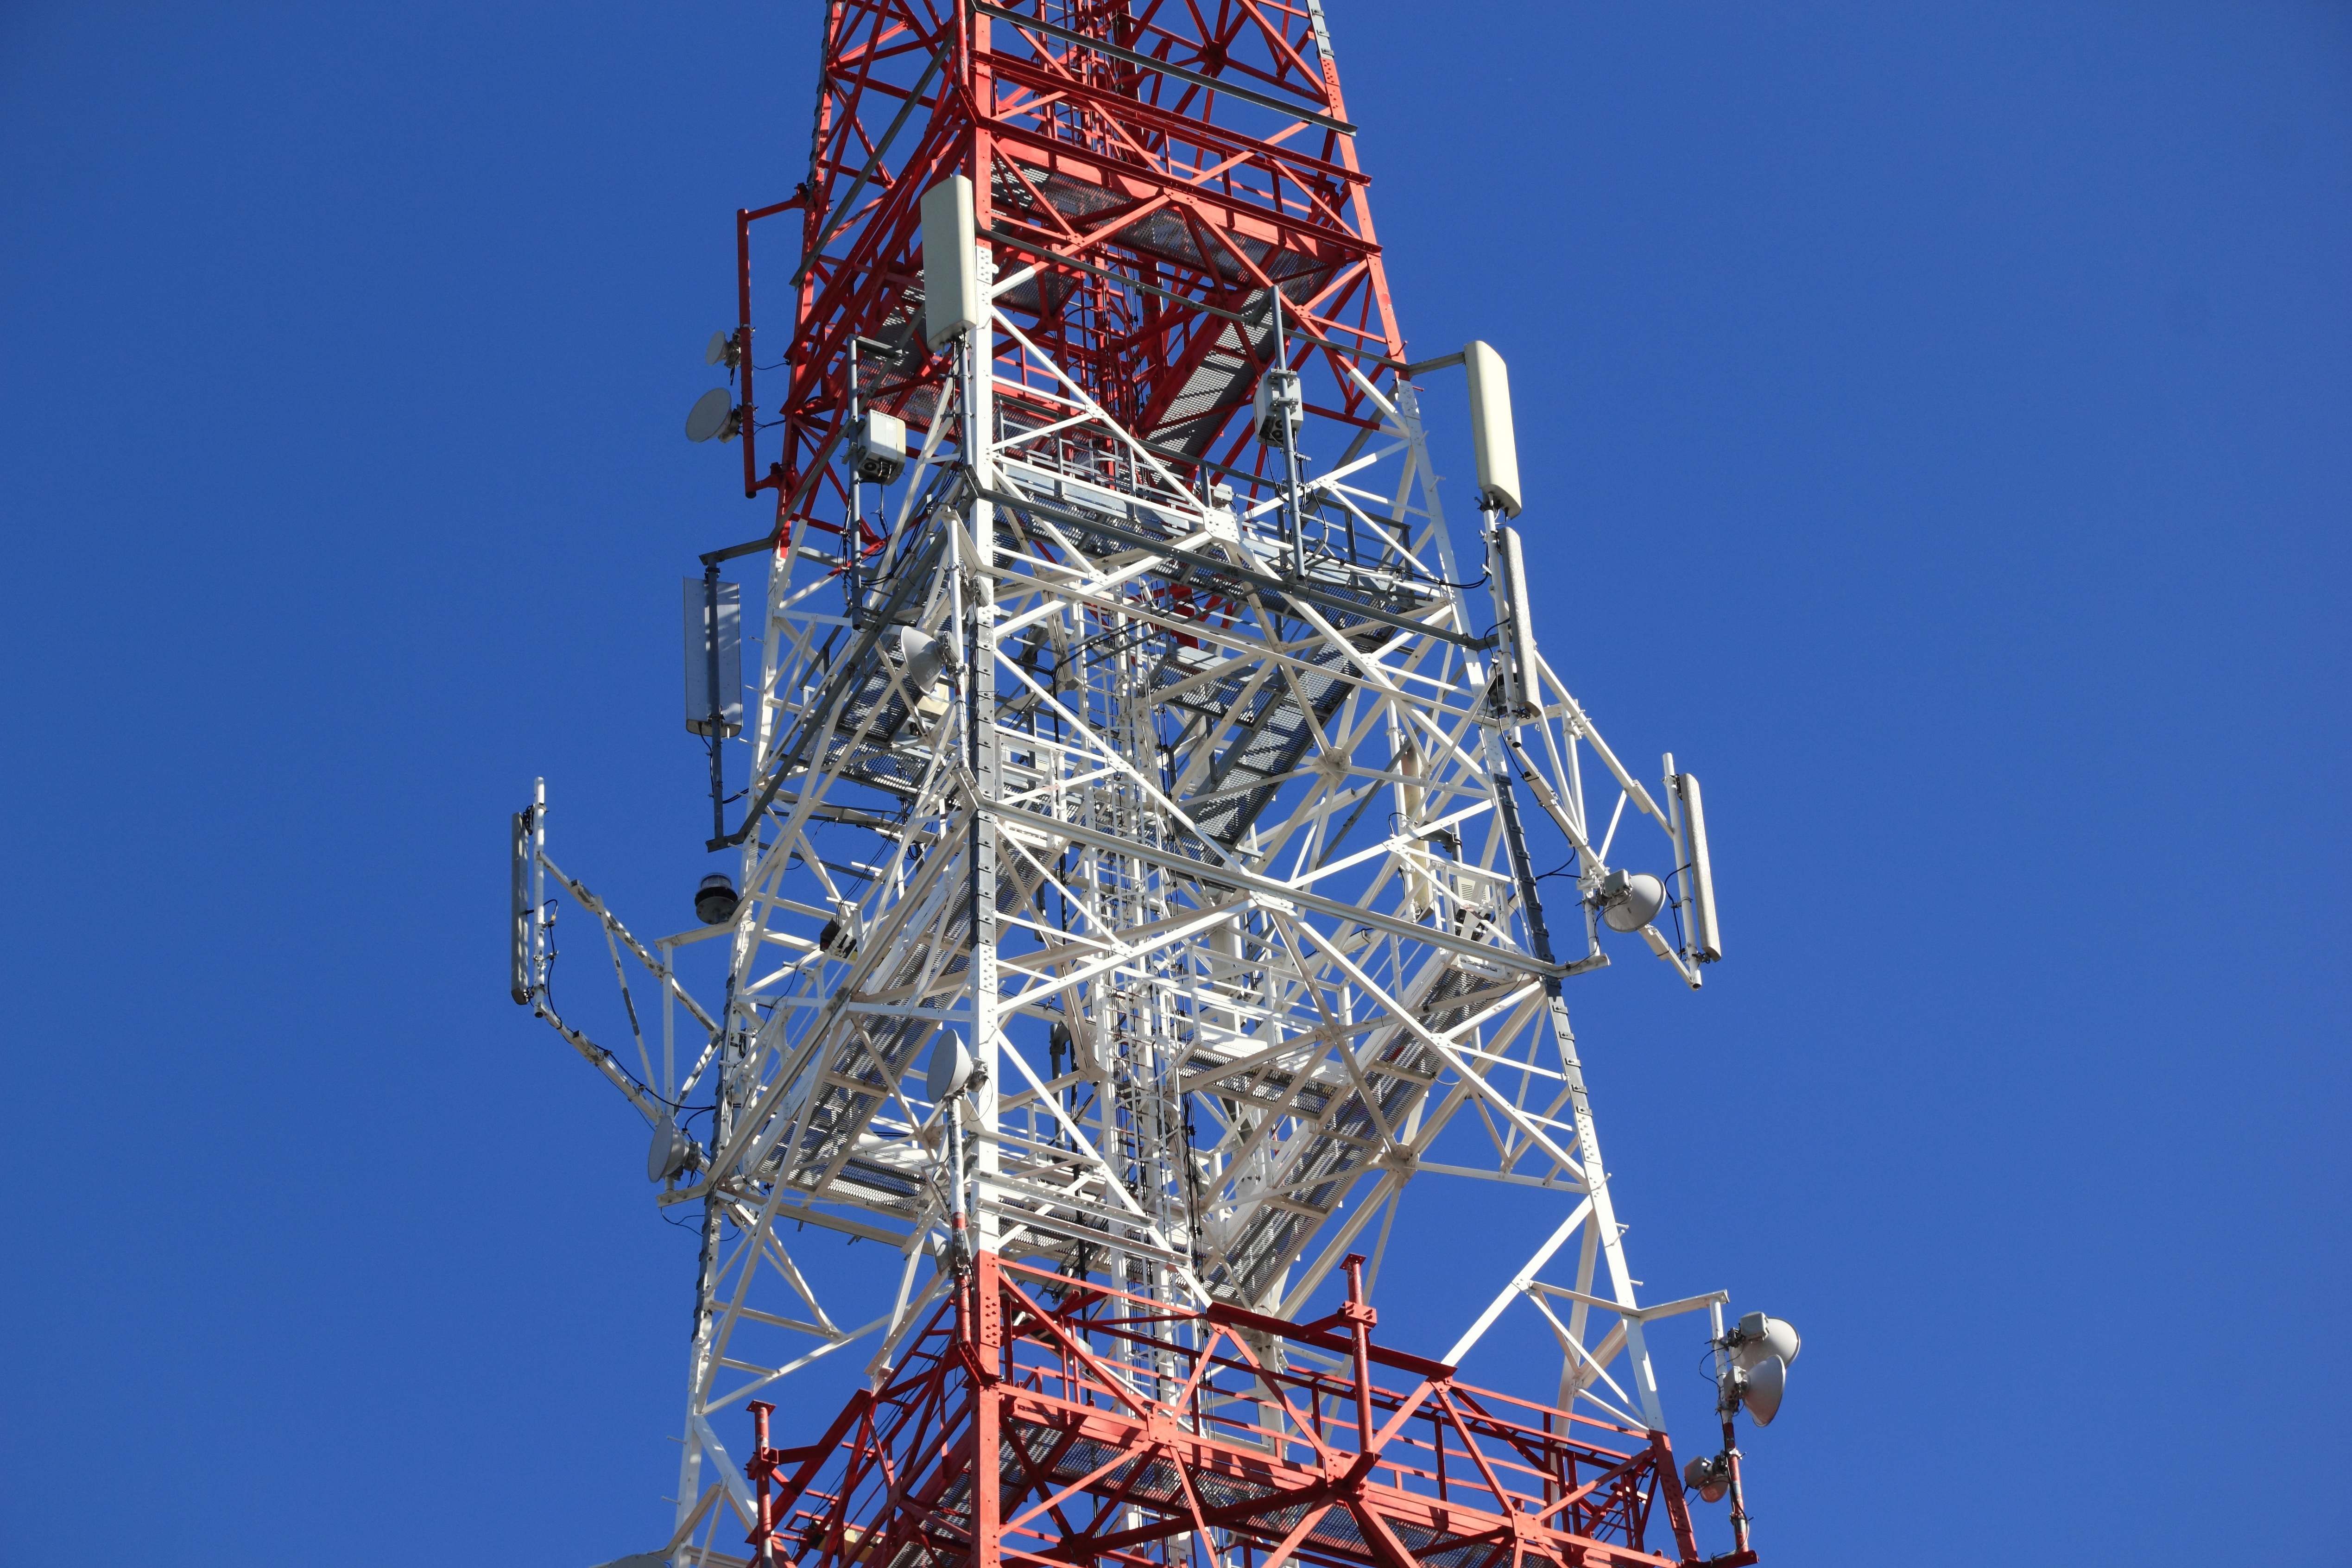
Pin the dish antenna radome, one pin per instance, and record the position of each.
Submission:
(713, 413)
(1761, 1387)
(672, 1152)
(950, 1066)
(1629, 902)
(1709, 1476)
(1757, 1336)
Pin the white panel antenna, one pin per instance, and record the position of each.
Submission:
(697, 656)
(952, 298)
(1526, 676)
(1707, 939)
(1496, 448)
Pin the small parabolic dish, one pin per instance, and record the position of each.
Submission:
(950, 1066)
(1636, 905)
(708, 417)
(1768, 1380)
(669, 1152)
(721, 349)
(1760, 1336)
(1707, 1478)
(921, 657)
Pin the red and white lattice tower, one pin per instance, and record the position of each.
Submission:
(1131, 892)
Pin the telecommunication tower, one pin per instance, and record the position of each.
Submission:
(1129, 889)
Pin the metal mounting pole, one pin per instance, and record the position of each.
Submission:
(1293, 503)
(984, 753)
(1726, 1404)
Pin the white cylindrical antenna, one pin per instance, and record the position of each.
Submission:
(1707, 941)
(1490, 430)
(952, 298)
(1525, 687)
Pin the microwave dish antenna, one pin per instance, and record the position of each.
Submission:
(713, 414)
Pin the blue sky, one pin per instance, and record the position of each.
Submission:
(1934, 423)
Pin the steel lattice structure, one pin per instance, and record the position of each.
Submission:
(1173, 769)
(1123, 1426)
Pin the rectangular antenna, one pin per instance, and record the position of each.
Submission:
(519, 971)
(698, 704)
(1492, 442)
(951, 301)
(1526, 690)
(1707, 941)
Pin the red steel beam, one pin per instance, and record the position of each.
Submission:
(1116, 1425)
(1164, 112)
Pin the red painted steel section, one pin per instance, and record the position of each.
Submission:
(1043, 1422)
(1136, 158)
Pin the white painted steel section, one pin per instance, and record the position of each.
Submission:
(1220, 866)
